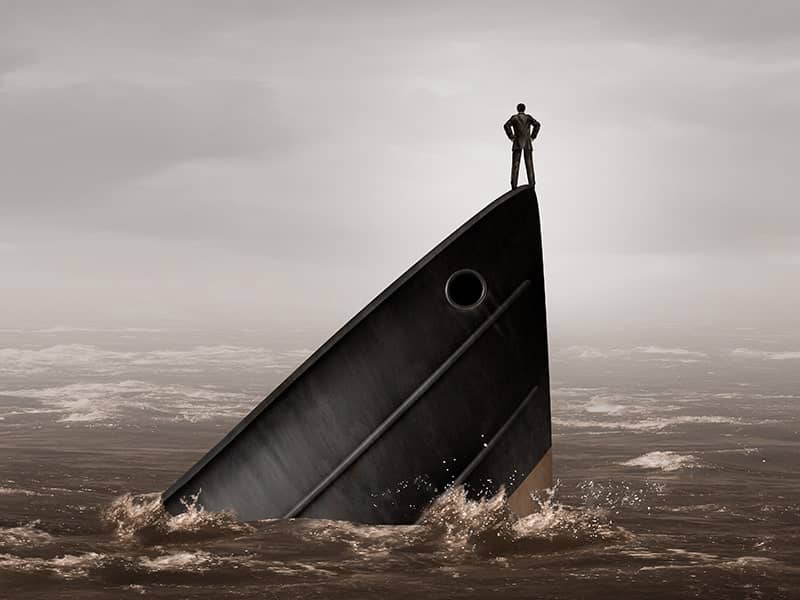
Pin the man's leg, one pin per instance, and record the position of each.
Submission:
(529, 167)
(515, 167)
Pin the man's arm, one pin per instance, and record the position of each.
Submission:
(509, 132)
(536, 126)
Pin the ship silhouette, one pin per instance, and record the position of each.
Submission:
(442, 380)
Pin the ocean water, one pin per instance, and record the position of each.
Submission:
(677, 468)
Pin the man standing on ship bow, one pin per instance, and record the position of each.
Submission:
(518, 130)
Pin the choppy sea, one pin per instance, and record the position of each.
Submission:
(677, 467)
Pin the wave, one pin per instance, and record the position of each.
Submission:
(13, 491)
(198, 561)
(67, 329)
(762, 564)
(664, 460)
(73, 566)
(68, 566)
(25, 535)
(766, 354)
(580, 351)
(681, 559)
(84, 358)
(668, 351)
(652, 424)
(575, 392)
(97, 402)
(453, 527)
(651, 352)
(747, 450)
(607, 404)
(570, 402)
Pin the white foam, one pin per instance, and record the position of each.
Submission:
(663, 460)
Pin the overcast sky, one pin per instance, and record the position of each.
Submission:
(235, 164)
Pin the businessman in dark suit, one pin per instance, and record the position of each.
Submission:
(522, 129)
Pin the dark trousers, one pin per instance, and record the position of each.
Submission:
(515, 154)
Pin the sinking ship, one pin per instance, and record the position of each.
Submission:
(442, 380)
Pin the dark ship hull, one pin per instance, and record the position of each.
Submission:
(441, 380)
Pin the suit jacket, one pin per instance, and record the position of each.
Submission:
(518, 130)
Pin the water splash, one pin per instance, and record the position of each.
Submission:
(455, 525)
(457, 528)
(487, 525)
(142, 517)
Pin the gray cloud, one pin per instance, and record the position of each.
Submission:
(319, 143)
(62, 147)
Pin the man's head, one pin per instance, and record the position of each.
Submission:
(520, 107)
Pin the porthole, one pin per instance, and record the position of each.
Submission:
(465, 289)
